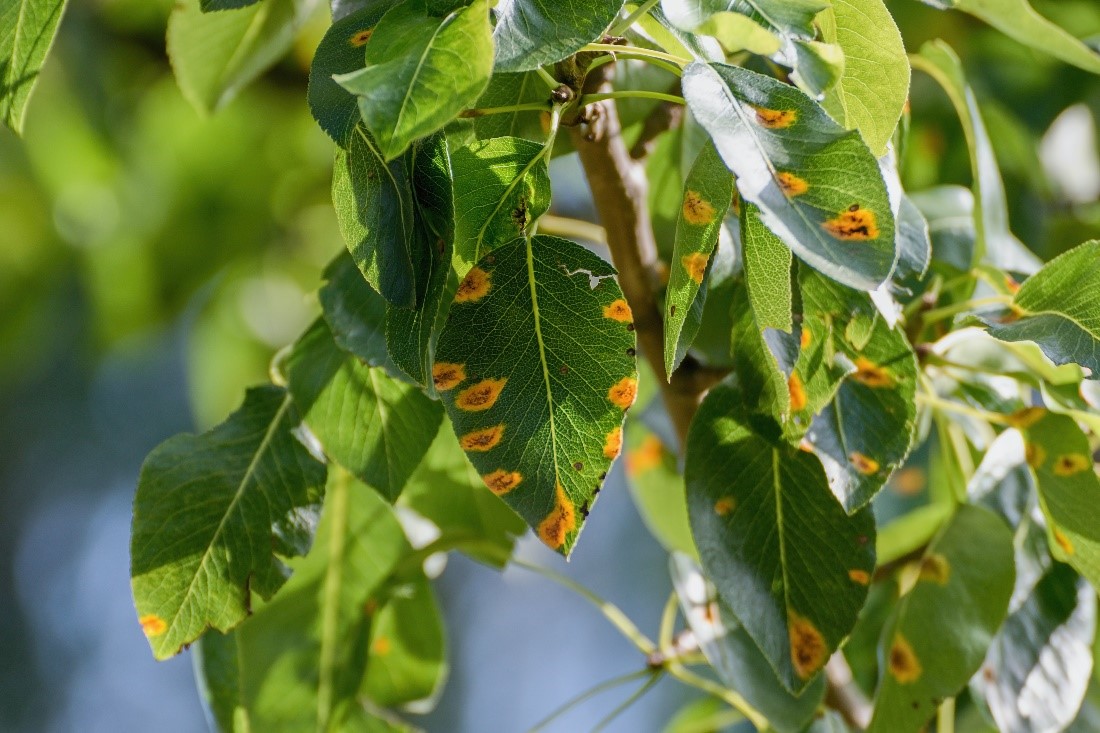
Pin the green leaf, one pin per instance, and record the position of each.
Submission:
(938, 634)
(533, 33)
(791, 564)
(212, 513)
(1018, 20)
(708, 191)
(737, 661)
(299, 662)
(212, 5)
(817, 185)
(536, 367)
(792, 17)
(27, 29)
(355, 313)
(369, 423)
(1061, 462)
(375, 210)
(215, 55)
(763, 385)
(421, 71)
(448, 490)
(873, 89)
(658, 489)
(767, 265)
(407, 664)
(1059, 309)
(913, 242)
(506, 90)
(738, 32)
(341, 52)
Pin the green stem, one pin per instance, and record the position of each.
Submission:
(628, 21)
(945, 716)
(632, 94)
(730, 697)
(668, 623)
(587, 695)
(938, 403)
(547, 77)
(575, 228)
(938, 314)
(610, 611)
(666, 61)
(654, 677)
(525, 107)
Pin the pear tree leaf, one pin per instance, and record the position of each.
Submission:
(817, 185)
(533, 33)
(536, 368)
(786, 557)
(212, 515)
(209, 6)
(657, 488)
(763, 384)
(938, 633)
(421, 71)
(27, 29)
(767, 272)
(355, 313)
(506, 90)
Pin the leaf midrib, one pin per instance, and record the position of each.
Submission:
(542, 357)
(428, 47)
(338, 508)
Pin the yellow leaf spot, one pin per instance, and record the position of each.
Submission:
(859, 576)
(473, 287)
(696, 266)
(775, 119)
(864, 464)
(790, 184)
(500, 482)
(1035, 455)
(360, 38)
(381, 646)
(614, 444)
(152, 624)
(619, 310)
(805, 338)
(623, 392)
(697, 210)
(909, 481)
(1071, 463)
(559, 523)
(797, 391)
(854, 223)
(1025, 418)
(808, 650)
(935, 569)
(724, 506)
(871, 374)
(1011, 285)
(646, 456)
(447, 376)
(903, 663)
(481, 440)
(480, 396)
(1063, 542)
(805, 446)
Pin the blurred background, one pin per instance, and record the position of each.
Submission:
(152, 261)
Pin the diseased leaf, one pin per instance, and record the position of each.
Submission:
(791, 564)
(421, 71)
(708, 191)
(215, 55)
(874, 86)
(211, 515)
(369, 423)
(817, 186)
(939, 632)
(657, 489)
(914, 243)
(407, 662)
(27, 29)
(767, 265)
(1059, 309)
(536, 367)
(762, 383)
(533, 33)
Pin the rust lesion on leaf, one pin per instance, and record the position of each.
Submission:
(480, 396)
(618, 310)
(1063, 542)
(697, 210)
(808, 649)
(725, 506)
(872, 375)
(152, 624)
(854, 223)
(623, 392)
(805, 338)
(647, 456)
(613, 444)
(447, 375)
(863, 463)
(862, 577)
(500, 482)
(381, 646)
(775, 119)
(797, 391)
(474, 286)
(903, 663)
(360, 38)
(790, 184)
(696, 266)
(482, 440)
(1034, 454)
(1071, 463)
(562, 519)
(935, 568)
(1025, 418)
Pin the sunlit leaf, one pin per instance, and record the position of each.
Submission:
(657, 488)
(533, 33)
(27, 30)
(355, 313)
(767, 265)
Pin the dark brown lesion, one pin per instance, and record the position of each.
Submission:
(856, 223)
(519, 214)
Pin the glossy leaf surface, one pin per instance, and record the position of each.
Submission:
(27, 29)
(532, 33)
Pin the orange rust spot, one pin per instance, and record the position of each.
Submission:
(797, 391)
(381, 646)
(613, 445)
(724, 506)
(935, 569)
(853, 223)
(735, 203)
(1071, 463)
(152, 624)
(696, 266)
(808, 650)
(790, 184)
(697, 210)
(500, 482)
(481, 440)
(903, 663)
(646, 456)
(619, 310)
(1011, 285)
(859, 576)
(473, 287)
(361, 37)
(1063, 542)
(775, 119)
(864, 464)
(480, 396)
(447, 376)
(909, 481)
(1025, 418)
(805, 446)
(710, 613)
(1035, 455)
(871, 374)
(805, 338)
(560, 522)
(623, 392)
